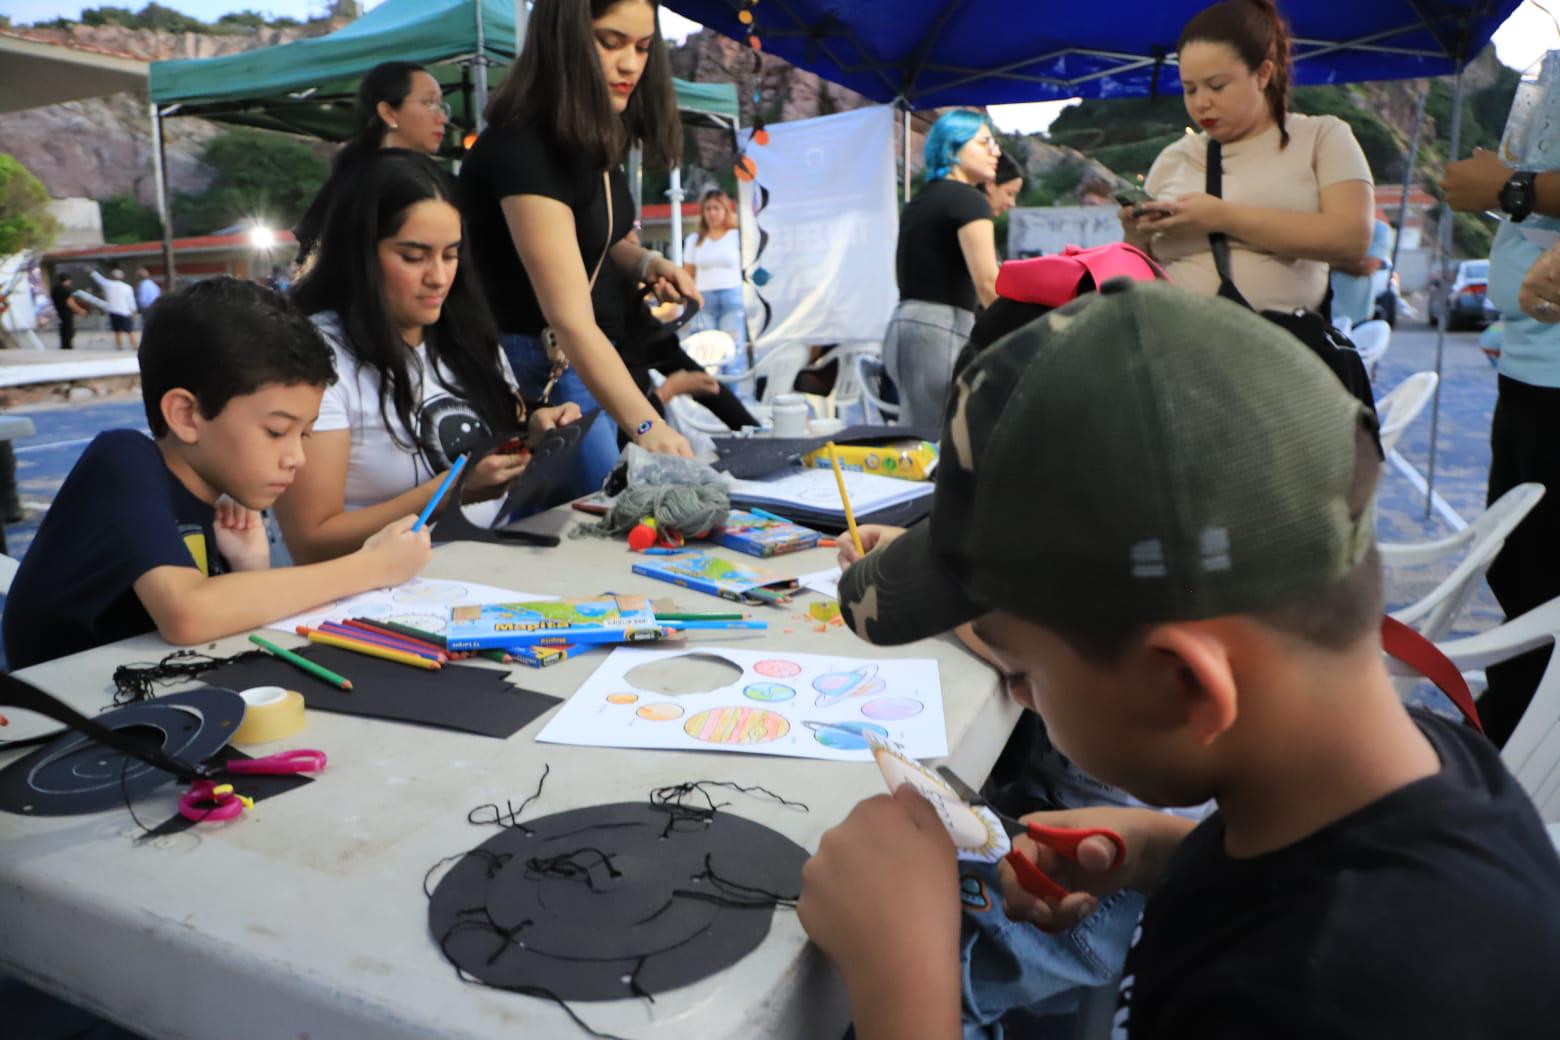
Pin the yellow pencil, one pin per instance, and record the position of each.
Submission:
(850, 517)
(371, 649)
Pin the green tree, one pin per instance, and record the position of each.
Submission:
(126, 219)
(25, 220)
(260, 176)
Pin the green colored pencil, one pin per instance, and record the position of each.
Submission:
(415, 633)
(319, 672)
(699, 617)
(496, 655)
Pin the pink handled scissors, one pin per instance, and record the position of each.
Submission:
(215, 801)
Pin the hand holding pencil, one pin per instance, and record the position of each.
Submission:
(399, 553)
(872, 536)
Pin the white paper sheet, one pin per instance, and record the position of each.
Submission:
(797, 705)
(826, 583)
(421, 603)
(817, 489)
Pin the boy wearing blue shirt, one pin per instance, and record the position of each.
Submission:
(164, 533)
(1182, 581)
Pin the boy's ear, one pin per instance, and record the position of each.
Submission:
(1201, 676)
(181, 411)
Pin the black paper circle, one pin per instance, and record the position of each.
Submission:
(72, 775)
(613, 901)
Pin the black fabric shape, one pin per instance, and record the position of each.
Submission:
(538, 486)
(613, 901)
(256, 786)
(753, 458)
(472, 700)
(73, 774)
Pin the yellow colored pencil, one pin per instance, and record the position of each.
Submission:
(371, 649)
(850, 517)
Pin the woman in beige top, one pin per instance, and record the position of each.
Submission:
(1297, 192)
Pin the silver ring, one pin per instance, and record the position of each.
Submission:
(1544, 306)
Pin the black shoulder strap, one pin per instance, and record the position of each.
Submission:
(1218, 240)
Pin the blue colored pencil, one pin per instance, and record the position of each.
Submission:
(749, 625)
(438, 496)
(766, 514)
(666, 552)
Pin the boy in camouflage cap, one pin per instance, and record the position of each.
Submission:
(1157, 509)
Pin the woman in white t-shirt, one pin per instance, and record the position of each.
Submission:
(713, 255)
(420, 378)
(1297, 193)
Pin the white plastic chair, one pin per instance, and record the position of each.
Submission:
(1434, 614)
(1371, 339)
(1344, 325)
(1402, 404)
(8, 568)
(778, 366)
(710, 348)
(870, 373)
(1533, 752)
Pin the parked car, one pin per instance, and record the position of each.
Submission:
(1469, 305)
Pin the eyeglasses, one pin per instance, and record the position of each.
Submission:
(991, 144)
(437, 106)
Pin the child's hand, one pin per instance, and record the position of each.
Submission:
(489, 477)
(1150, 838)
(883, 887)
(241, 536)
(544, 419)
(872, 535)
(398, 553)
(679, 383)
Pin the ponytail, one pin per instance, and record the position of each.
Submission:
(1255, 30)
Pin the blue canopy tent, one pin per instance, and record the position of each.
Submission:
(921, 54)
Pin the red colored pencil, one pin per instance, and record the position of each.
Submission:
(421, 644)
(361, 636)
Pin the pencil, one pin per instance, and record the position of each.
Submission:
(767, 515)
(416, 643)
(318, 671)
(438, 496)
(682, 625)
(407, 630)
(496, 655)
(850, 517)
(699, 617)
(389, 643)
(371, 649)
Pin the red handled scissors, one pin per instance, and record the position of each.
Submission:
(1065, 840)
(216, 801)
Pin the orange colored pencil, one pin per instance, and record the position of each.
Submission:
(371, 649)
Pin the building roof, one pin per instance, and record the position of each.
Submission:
(35, 71)
(194, 244)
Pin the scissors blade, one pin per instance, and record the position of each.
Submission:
(1011, 826)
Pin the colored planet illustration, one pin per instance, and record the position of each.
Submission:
(769, 691)
(891, 708)
(622, 698)
(777, 669)
(660, 712)
(834, 687)
(844, 736)
(737, 726)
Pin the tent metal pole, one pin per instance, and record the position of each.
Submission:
(522, 15)
(675, 194)
(636, 179)
(1443, 291)
(479, 74)
(159, 173)
(906, 110)
(1408, 176)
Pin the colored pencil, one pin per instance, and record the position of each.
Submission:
(827, 543)
(850, 517)
(766, 595)
(681, 625)
(407, 630)
(371, 649)
(767, 515)
(318, 671)
(438, 496)
(699, 617)
(375, 628)
(662, 551)
(348, 632)
(496, 655)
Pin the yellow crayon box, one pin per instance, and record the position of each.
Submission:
(905, 459)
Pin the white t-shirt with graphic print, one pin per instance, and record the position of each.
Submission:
(379, 468)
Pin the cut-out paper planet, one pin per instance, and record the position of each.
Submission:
(834, 687)
(660, 712)
(622, 698)
(737, 726)
(769, 691)
(845, 736)
(777, 669)
(892, 708)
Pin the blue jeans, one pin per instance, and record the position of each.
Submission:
(723, 310)
(599, 452)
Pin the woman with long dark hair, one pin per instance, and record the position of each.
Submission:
(547, 206)
(399, 105)
(419, 375)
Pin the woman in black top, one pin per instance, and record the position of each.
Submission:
(947, 263)
(592, 79)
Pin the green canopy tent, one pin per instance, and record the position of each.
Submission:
(308, 86)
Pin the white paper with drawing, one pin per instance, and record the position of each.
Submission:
(817, 489)
(422, 603)
(781, 703)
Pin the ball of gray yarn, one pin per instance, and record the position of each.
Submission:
(688, 509)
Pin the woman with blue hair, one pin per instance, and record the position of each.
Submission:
(947, 263)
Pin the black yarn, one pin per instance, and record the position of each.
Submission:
(137, 682)
(511, 816)
(735, 894)
(673, 798)
(568, 868)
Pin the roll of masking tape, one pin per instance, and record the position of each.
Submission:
(270, 713)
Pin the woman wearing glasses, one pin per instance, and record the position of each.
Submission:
(946, 263)
(399, 105)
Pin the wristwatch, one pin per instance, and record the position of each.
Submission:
(1518, 195)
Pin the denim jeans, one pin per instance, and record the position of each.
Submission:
(599, 452)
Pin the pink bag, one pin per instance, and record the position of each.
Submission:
(1053, 280)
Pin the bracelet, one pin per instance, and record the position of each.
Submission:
(646, 258)
(644, 427)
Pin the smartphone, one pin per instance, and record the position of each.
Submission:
(1133, 197)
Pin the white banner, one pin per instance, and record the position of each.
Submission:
(1046, 230)
(833, 225)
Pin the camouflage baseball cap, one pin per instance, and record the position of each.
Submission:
(1140, 454)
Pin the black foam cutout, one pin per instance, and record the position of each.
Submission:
(537, 488)
(257, 787)
(472, 700)
(72, 774)
(613, 901)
